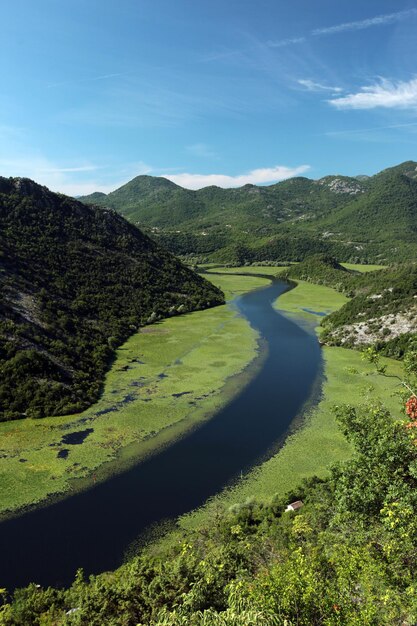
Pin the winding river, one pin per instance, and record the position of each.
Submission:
(93, 529)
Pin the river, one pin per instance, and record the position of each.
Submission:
(93, 529)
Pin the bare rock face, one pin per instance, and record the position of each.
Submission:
(381, 328)
(341, 185)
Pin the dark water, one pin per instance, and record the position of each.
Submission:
(94, 528)
(77, 438)
(319, 313)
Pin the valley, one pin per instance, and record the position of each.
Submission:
(314, 442)
(208, 313)
(140, 438)
(184, 395)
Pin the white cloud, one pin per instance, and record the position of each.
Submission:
(385, 94)
(379, 20)
(76, 180)
(310, 85)
(255, 177)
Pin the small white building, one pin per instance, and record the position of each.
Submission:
(295, 506)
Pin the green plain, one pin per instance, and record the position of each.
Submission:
(310, 297)
(164, 380)
(257, 270)
(363, 268)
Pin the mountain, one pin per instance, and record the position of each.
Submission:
(75, 282)
(353, 218)
(385, 212)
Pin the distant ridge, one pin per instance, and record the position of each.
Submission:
(357, 219)
(75, 282)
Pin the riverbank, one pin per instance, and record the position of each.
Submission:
(315, 441)
(164, 381)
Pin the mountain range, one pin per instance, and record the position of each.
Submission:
(356, 219)
(75, 282)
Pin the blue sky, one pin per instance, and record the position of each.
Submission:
(95, 92)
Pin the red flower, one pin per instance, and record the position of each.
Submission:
(411, 408)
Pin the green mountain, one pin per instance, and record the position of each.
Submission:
(75, 282)
(385, 212)
(352, 218)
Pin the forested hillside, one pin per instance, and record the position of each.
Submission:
(382, 309)
(362, 219)
(383, 312)
(75, 282)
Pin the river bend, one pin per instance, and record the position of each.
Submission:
(93, 529)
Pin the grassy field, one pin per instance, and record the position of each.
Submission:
(265, 269)
(245, 269)
(363, 268)
(309, 301)
(164, 380)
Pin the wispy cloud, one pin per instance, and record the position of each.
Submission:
(359, 131)
(281, 43)
(311, 85)
(371, 22)
(254, 177)
(201, 150)
(384, 94)
(379, 20)
(141, 104)
(91, 79)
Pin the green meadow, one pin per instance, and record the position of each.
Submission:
(257, 270)
(363, 268)
(307, 300)
(165, 379)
